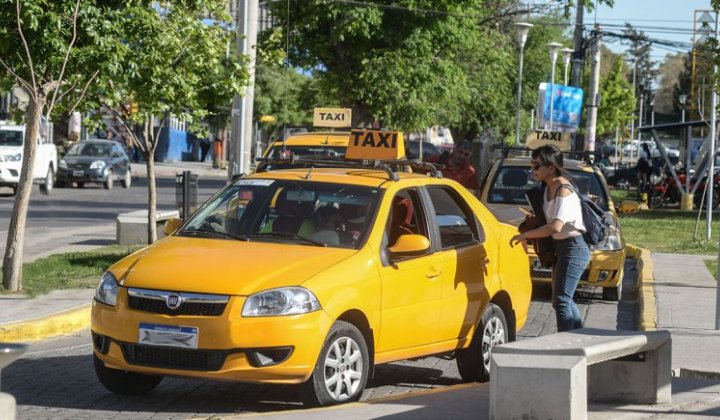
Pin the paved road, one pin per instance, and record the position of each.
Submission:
(56, 379)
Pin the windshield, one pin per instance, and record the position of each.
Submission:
(511, 183)
(11, 138)
(90, 149)
(306, 213)
(309, 152)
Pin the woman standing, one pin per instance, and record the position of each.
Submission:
(561, 206)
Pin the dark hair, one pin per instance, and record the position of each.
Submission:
(550, 155)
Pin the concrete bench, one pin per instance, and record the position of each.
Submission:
(131, 227)
(551, 377)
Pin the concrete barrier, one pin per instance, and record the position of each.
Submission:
(553, 376)
(131, 227)
(9, 352)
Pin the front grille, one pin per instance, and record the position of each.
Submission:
(548, 274)
(102, 343)
(169, 358)
(187, 308)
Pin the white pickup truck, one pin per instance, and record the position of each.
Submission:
(11, 158)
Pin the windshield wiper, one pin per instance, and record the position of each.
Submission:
(213, 234)
(291, 236)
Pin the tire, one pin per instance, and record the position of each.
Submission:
(81, 185)
(14, 190)
(127, 181)
(474, 361)
(124, 382)
(703, 198)
(108, 183)
(613, 294)
(656, 200)
(47, 187)
(350, 377)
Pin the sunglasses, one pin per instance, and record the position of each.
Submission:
(535, 165)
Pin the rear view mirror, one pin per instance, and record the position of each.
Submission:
(171, 226)
(409, 245)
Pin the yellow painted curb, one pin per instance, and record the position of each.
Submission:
(380, 400)
(646, 288)
(65, 322)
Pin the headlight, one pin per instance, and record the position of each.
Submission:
(98, 164)
(13, 158)
(283, 301)
(62, 164)
(107, 289)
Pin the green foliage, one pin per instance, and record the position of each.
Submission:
(618, 101)
(286, 94)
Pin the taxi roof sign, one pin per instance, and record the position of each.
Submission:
(332, 117)
(375, 145)
(559, 139)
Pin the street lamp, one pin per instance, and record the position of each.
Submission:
(554, 47)
(522, 29)
(567, 54)
(682, 98)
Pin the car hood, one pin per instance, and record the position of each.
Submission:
(508, 213)
(83, 160)
(10, 150)
(225, 267)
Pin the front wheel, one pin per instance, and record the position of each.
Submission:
(127, 181)
(123, 382)
(108, 184)
(341, 372)
(474, 361)
(47, 186)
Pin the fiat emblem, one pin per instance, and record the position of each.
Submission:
(173, 301)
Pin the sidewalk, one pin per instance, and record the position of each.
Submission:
(684, 304)
(170, 169)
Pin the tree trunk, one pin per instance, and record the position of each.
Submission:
(150, 145)
(12, 263)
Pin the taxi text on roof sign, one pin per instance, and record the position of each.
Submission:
(375, 145)
(559, 139)
(332, 117)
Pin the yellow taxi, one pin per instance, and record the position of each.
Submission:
(314, 144)
(502, 190)
(313, 276)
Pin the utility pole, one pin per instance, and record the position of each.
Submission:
(593, 94)
(578, 51)
(242, 107)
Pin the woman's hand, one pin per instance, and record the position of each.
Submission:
(519, 239)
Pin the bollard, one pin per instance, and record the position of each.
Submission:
(687, 201)
(9, 352)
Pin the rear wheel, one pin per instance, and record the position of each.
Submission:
(81, 185)
(108, 183)
(341, 372)
(47, 186)
(474, 361)
(123, 382)
(127, 181)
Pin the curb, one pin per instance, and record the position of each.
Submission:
(646, 287)
(65, 322)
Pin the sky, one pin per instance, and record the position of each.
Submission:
(667, 20)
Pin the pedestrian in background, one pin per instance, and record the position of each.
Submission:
(204, 149)
(644, 167)
(457, 165)
(561, 206)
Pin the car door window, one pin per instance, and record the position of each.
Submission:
(456, 223)
(405, 216)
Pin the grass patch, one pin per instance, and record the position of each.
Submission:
(74, 270)
(618, 195)
(712, 265)
(669, 231)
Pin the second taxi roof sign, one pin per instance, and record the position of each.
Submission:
(332, 117)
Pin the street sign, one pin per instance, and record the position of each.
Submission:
(332, 117)
(538, 138)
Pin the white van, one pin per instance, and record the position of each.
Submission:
(11, 157)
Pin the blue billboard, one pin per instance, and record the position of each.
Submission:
(567, 107)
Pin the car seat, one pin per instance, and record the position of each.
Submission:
(402, 216)
(514, 180)
(292, 217)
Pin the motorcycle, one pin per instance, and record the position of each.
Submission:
(666, 191)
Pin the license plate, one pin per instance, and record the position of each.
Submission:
(168, 336)
(538, 268)
(78, 173)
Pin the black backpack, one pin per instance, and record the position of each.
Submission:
(596, 226)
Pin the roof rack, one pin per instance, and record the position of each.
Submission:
(391, 167)
(524, 151)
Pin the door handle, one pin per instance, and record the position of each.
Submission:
(434, 272)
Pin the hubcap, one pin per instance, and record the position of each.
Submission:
(493, 335)
(343, 368)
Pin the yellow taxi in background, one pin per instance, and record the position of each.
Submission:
(308, 145)
(503, 188)
(312, 277)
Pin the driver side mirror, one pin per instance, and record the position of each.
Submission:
(171, 226)
(628, 207)
(409, 245)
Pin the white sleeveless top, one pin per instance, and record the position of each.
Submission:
(567, 210)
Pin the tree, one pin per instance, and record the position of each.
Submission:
(670, 71)
(53, 50)
(618, 101)
(174, 65)
(638, 54)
